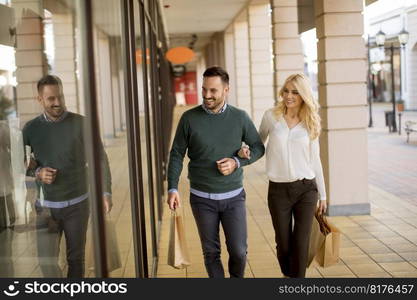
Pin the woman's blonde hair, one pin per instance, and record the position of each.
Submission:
(309, 111)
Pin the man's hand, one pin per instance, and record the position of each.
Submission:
(47, 175)
(244, 152)
(226, 165)
(173, 200)
(321, 206)
(107, 203)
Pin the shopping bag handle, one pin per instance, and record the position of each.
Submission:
(107, 216)
(322, 220)
(174, 212)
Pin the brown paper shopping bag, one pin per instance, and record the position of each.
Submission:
(112, 248)
(328, 254)
(113, 253)
(316, 240)
(178, 256)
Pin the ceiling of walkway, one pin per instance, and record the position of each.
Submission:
(200, 17)
(183, 18)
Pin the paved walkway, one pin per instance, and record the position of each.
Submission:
(383, 244)
(392, 161)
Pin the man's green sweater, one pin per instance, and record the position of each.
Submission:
(209, 138)
(60, 145)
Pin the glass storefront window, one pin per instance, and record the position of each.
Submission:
(146, 133)
(46, 228)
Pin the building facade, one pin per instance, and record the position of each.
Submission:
(405, 57)
(110, 56)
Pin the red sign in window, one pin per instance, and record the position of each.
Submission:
(186, 89)
(190, 88)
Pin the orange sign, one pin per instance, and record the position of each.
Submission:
(139, 56)
(180, 55)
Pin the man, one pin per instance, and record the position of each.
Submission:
(7, 210)
(56, 141)
(213, 133)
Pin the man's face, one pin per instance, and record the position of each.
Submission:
(214, 93)
(52, 100)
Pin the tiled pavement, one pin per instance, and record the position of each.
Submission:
(382, 244)
(392, 161)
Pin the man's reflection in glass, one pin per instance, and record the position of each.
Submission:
(7, 211)
(59, 165)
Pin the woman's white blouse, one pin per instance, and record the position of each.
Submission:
(290, 154)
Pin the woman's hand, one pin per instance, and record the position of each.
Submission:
(321, 206)
(244, 152)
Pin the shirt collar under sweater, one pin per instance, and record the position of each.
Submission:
(61, 117)
(212, 113)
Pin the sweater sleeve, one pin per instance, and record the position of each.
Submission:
(105, 170)
(104, 164)
(317, 167)
(253, 140)
(177, 153)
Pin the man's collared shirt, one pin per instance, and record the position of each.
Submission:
(213, 113)
(61, 117)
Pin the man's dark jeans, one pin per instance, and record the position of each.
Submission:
(7, 219)
(50, 224)
(231, 213)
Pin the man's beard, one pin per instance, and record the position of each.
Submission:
(56, 111)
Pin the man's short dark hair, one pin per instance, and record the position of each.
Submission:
(217, 71)
(48, 80)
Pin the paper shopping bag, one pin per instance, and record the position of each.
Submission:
(316, 240)
(178, 256)
(113, 254)
(328, 254)
(112, 249)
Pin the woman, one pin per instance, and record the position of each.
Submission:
(294, 170)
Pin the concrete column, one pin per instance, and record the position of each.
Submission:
(115, 63)
(30, 60)
(104, 84)
(342, 94)
(242, 64)
(200, 68)
(64, 65)
(288, 52)
(97, 70)
(229, 57)
(209, 56)
(260, 46)
(410, 59)
(122, 100)
(214, 51)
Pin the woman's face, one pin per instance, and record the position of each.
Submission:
(291, 96)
